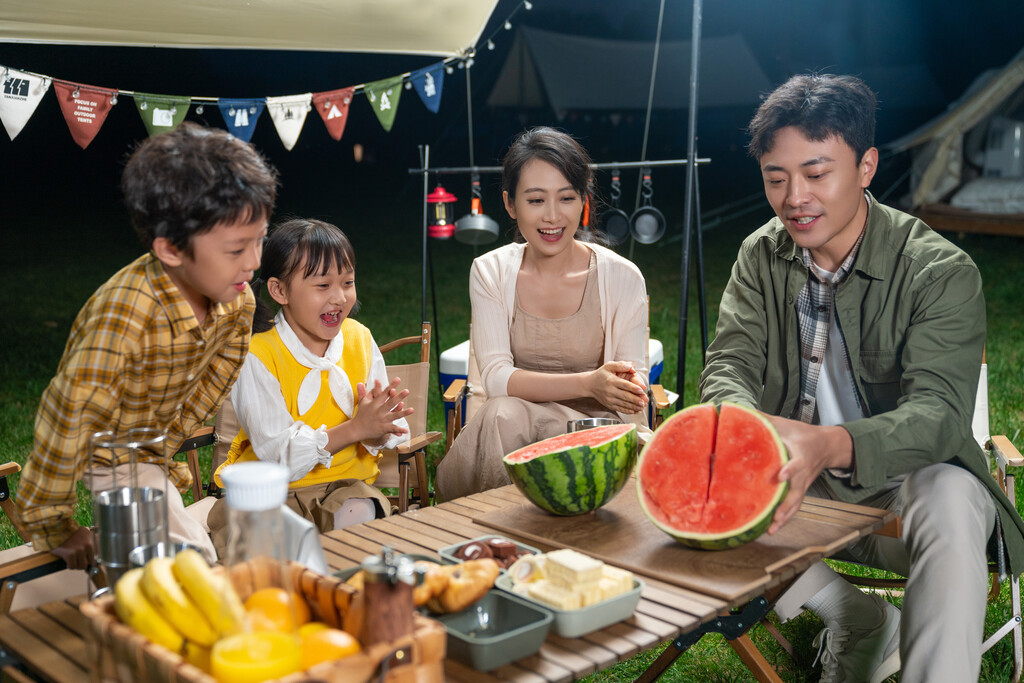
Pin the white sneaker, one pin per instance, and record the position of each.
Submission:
(860, 655)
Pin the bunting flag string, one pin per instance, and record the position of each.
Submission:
(21, 94)
(161, 113)
(240, 115)
(333, 108)
(384, 96)
(85, 108)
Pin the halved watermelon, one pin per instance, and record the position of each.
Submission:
(573, 473)
(710, 479)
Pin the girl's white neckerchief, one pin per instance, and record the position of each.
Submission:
(337, 381)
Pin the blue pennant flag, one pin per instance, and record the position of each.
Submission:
(428, 82)
(241, 115)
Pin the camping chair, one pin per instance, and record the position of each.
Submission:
(1005, 456)
(403, 468)
(22, 564)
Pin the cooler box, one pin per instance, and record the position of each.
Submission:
(455, 365)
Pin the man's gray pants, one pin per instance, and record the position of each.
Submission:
(948, 516)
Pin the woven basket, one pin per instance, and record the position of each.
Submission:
(117, 652)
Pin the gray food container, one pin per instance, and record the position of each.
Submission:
(497, 629)
(578, 622)
(447, 553)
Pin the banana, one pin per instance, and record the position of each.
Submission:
(197, 655)
(167, 595)
(213, 595)
(134, 609)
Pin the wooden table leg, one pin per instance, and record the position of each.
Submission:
(755, 661)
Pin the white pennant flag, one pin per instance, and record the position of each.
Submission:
(19, 96)
(288, 114)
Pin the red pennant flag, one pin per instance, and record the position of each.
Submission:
(85, 108)
(333, 108)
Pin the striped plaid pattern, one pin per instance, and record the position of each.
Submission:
(815, 306)
(136, 357)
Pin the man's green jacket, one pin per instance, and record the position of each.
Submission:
(912, 313)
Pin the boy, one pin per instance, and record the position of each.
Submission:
(860, 332)
(160, 343)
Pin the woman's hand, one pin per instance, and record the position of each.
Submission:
(379, 407)
(617, 386)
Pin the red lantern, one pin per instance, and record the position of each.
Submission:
(439, 223)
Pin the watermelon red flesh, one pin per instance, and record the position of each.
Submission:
(744, 481)
(678, 473)
(574, 473)
(584, 437)
(731, 477)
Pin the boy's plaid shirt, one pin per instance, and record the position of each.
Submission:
(815, 308)
(136, 357)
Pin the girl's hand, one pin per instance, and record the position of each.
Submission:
(378, 409)
(617, 386)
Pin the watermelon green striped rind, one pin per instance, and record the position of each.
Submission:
(709, 478)
(573, 473)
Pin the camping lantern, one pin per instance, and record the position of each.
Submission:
(476, 227)
(440, 215)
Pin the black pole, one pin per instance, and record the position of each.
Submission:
(424, 164)
(701, 296)
(691, 167)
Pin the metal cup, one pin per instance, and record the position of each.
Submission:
(590, 423)
(144, 553)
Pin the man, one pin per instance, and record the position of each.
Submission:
(860, 332)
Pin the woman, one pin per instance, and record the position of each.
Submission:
(559, 323)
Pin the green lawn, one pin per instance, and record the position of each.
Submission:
(51, 270)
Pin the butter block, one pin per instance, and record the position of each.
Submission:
(552, 594)
(615, 581)
(569, 568)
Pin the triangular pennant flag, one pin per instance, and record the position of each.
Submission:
(161, 113)
(241, 115)
(20, 97)
(383, 96)
(85, 108)
(333, 108)
(428, 82)
(288, 114)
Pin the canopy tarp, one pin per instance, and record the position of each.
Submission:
(938, 146)
(572, 73)
(427, 27)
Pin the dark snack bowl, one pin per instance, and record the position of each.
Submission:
(497, 629)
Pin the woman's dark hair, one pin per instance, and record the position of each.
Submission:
(323, 246)
(820, 106)
(182, 183)
(563, 152)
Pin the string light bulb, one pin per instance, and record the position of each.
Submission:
(490, 44)
(527, 5)
(76, 93)
(508, 25)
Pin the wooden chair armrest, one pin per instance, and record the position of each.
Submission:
(204, 436)
(418, 442)
(9, 468)
(455, 391)
(660, 397)
(31, 567)
(1006, 453)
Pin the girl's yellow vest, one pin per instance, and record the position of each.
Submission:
(353, 462)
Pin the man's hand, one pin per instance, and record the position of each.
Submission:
(812, 449)
(77, 551)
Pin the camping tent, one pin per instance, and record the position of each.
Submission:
(573, 73)
(951, 149)
(437, 27)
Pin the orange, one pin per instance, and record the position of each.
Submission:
(268, 610)
(327, 644)
(311, 627)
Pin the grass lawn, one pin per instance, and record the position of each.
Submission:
(51, 270)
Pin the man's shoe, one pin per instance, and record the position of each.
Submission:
(861, 655)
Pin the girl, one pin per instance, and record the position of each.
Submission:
(313, 393)
(559, 324)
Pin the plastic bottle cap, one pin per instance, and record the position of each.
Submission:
(255, 486)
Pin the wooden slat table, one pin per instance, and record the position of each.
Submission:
(49, 640)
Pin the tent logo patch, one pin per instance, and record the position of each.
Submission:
(16, 86)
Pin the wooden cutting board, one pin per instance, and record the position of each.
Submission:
(620, 534)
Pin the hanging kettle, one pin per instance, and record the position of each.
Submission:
(614, 221)
(476, 227)
(647, 224)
